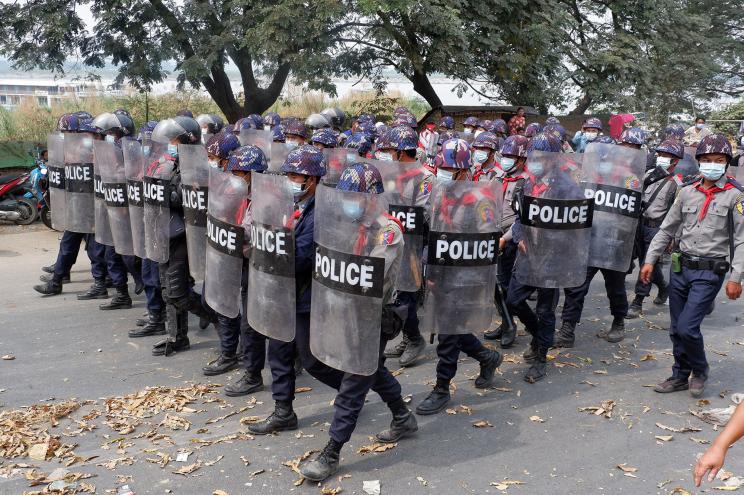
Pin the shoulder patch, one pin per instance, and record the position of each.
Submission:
(486, 212)
(425, 187)
(388, 235)
(739, 203)
(632, 182)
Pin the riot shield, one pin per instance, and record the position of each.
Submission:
(110, 162)
(225, 235)
(79, 183)
(463, 245)
(336, 160)
(279, 152)
(407, 196)
(259, 138)
(613, 177)
(134, 171)
(556, 221)
(103, 233)
(346, 310)
(156, 193)
(271, 291)
(56, 174)
(195, 192)
(688, 166)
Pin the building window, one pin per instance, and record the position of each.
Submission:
(42, 101)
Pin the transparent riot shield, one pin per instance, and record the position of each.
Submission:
(79, 183)
(260, 138)
(613, 177)
(348, 282)
(337, 159)
(463, 246)
(271, 291)
(110, 162)
(225, 236)
(556, 221)
(159, 168)
(103, 233)
(195, 192)
(688, 166)
(134, 171)
(279, 152)
(56, 174)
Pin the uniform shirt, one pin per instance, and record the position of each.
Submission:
(487, 172)
(510, 184)
(304, 253)
(667, 188)
(703, 218)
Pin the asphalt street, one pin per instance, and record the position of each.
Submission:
(57, 348)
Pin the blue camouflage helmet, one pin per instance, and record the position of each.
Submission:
(272, 119)
(294, 127)
(674, 131)
(515, 146)
(487, 125)
(277, 134)
(244, 123)
(402, 138)
(366, 117)
(384, 142)
(359, 141)
(257, 120)
(604, 139)
(500, 126)
(361, 177)
(487, 140)
(406, 120)
(532, 129)
(69, 122)
(542, 142)
(305, 160)
(368, 128)
(381, 130)
(592, 123)
(325, 136)
(86, 125)
(185, 112)
(552, 120)
(145, 132)
(714, 143)
(671, 146)
(83, 114)
(455, 153)
(447, 122)
(401, 110)
(633, 135)
(447, 135)
(247, 158)
(221, 145)
(471, 121)
(556, 130)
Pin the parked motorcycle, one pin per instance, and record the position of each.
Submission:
(14, 207)
(38, 189)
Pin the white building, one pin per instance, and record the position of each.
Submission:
(46, 91)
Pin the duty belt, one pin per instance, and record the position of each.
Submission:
(652, 224)
(702, 262)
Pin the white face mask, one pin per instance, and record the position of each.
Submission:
(292, 144)
(712, 171)
(87, 142)
(477, 133)
(445, 175)
(507, 164)
(664, 162)
(298, 189)
(467, 130)
(205, 131)
(214, 163)
(385, 157)
(110, 138)
(267, 128)
(146, 150)
(480, 157)
(352, 209)
(352, 157)
(591, 136)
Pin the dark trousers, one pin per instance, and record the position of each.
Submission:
(352, 389)
(69, 246)
(411, 326)
(657, 276)
(691, 292)
(573, 303)
(506, 264)
(449, 348)
(118, 266)
(153, 291)
(539, 323)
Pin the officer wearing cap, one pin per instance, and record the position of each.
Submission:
(710, 213)
(485, 148)
(590, 130)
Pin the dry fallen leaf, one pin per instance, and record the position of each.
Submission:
(684, 429)
(626, 469)
(422, 480)
(537, 419)
(605, 409)
(648, 357)
(220, 492)
(326, 490)
(376, 447)
(186, 470)
(503, 485)
(482, 424)
(701, 441)
(300, 390)
(664, 438)
(8, 357)
(680, 491)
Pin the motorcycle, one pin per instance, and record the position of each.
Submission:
(14, 207)
(38, 191)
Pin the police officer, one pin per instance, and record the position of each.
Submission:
(590, 130)
(69, 246)
(453, 164)
(324, 138)
(210, 125)
(359, 144)
(295, 133)
(485, 151)
(710, 215)
(336, 117)
(659, 191)
(470, 125)
(399, 144)
(446, 123)
(271, 121)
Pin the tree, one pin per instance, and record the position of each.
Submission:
(264, 40)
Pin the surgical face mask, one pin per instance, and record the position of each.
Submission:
(700, 126)
(214, 163)
(536, 168)
(591, 136)
(385, 157)
(480, 157)
(205, 131)
(352, 209)
(445, 175)
(146, 150)
(507, 164)
(173, 149)
(477, 133)
(292, 144)
(352, 157)
(467, 130)
(87, 142)
(267, 128)
(298, 189)
(664, 162)
(110, 138)
(711, 170)
(604, 168)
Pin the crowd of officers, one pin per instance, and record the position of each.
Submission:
(484, 175)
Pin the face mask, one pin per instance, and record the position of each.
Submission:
(477, 133)
(214, 163)
(711, 170)
(352, 209)
(700, 126)
(62, 136)
(352, 157)
(87, 142)
(507, 164)
(205, 131)
(604, 168)
(664, 162)
(537, 169)
(146, 150)
(298, 189)
(467, 130)
(110, 138)
(445, 175)
(480, 157)
(591, 136)
(173, 149)
(267, 128)
(385, 157)
(293, 144)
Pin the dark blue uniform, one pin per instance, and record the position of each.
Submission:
(69, 246)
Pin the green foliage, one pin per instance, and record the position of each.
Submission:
(734, 111)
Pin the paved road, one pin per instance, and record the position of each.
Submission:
(66, 349)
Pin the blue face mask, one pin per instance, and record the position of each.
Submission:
(173, 150)
(712, 171)
(507, 164)
(700, 126)
(445, 175)
(536, 168)
(352, 209)
(352, 157)
(298, 189)
(110, 138)
(146, 150)
(385, 157)
(480, 157)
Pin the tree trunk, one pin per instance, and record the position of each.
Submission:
(423, 87)
(582, 105)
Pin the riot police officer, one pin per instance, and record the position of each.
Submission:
(485, 151)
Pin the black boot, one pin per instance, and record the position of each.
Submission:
(109, 282)
(48, 269)
(96, 291)
(139, 286)
(49, 277)
(177, 330)
(403, 423)
(437, 400)
(491, 360)
(496, 333)
(282, 419)
(51, 288)
(326, 463)
(635, 308)
(509, 336)
(538, 370)
(663, 294)
(566, 335)
(247, 384)
(154, 325)
(617, 330)
(121, 299)
(206, 317)
(221, 365)
(530, 354)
